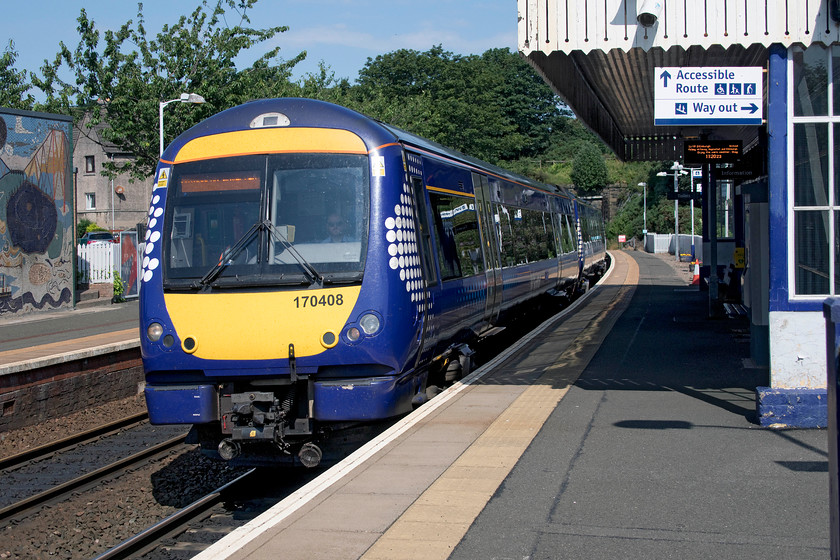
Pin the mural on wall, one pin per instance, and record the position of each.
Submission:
(36, 218)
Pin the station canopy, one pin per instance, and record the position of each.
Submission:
(601, 60)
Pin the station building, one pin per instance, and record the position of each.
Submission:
(602, 56)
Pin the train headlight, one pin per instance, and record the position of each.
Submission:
(353, 334)
(154, 331)
(370, 323)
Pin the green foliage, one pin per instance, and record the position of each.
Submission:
(121, 76)
(13, 83)
(492, 106)
(84, 226)
(589, 172)
(630, 220)
(119, 287)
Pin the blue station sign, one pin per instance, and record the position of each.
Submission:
(708, 96)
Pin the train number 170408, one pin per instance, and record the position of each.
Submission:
(319, 301)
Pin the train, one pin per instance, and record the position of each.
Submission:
(309, 270)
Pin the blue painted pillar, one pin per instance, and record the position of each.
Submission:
(777, 142)
(831, 311)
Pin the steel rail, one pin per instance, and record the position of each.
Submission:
(48, 449)
(149, 538)
(90, 478)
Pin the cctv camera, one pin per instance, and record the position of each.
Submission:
(649, 12)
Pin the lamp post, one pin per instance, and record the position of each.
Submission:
(694, 173)
(185, 98)
(644, 209)
(676, 171)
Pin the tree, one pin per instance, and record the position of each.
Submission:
(492, 106)
(121, 80)
(13, 84)
(589, 171)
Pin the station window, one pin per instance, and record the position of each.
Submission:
(814, 174)
(90, 164)
(90, 201)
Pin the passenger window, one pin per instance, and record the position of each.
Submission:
(456, 228)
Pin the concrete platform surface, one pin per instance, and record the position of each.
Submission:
(624, 430)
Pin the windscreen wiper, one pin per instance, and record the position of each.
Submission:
(310, 271)
(229, 254)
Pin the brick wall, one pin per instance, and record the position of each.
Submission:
(32, 396)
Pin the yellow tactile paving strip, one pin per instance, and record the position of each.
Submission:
(42, 355)
(437, 521)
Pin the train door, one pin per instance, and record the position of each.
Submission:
(490, 247)
(580, 246)
(557, 228)
(424, 247)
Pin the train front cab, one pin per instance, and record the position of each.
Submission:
(260, 330)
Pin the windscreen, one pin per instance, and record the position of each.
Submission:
(268, 219)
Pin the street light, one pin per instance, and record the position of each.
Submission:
(644, 209)
(676, 171)
(185, 98)
(694, 173)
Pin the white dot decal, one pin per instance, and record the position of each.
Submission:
(158, 212)
(156, 199)
(145, 262)
(153, 264)
(402, 246)
(152, 222)
(150, 247)
(155, 237)
(147, 276)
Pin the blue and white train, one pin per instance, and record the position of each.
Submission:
(308, 269)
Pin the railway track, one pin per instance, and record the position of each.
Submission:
(43, 451)
(45, 475)
(177, 523)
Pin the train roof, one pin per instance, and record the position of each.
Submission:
(302, 112)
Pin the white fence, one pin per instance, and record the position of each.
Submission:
(96, 262)
(664, 243)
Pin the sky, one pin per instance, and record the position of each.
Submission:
(341, 33)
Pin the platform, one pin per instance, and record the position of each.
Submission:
(625, 429)
(36, 340)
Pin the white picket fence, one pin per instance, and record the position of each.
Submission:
(96, 262)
